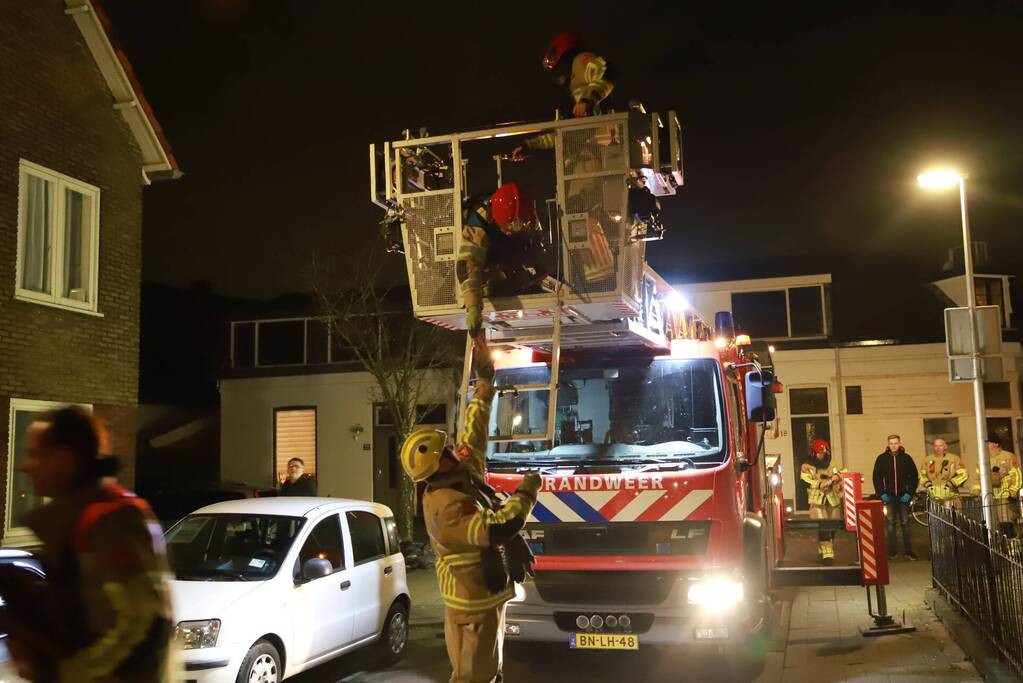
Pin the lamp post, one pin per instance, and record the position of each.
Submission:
(947, 179)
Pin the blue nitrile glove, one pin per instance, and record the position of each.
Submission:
(885, 498)
(905, 498)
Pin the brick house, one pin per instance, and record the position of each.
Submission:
(79, 144)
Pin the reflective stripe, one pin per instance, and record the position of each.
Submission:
(482, 603)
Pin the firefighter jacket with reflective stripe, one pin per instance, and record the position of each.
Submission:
(587, 82)
(463, 521)
(105, 602)
(823, 489)
(943, 476)
(1007, 480)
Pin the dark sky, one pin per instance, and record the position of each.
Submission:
(804, 127)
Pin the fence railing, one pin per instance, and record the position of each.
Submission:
(981, 573)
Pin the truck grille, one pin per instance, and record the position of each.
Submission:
(605, 588)
(655, 538)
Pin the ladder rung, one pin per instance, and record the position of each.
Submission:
(509, 341)
(519, 437)
(522, 387)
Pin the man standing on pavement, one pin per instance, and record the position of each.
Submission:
(895, 482)
(1006, 481)
(943, 475)
(824, 495)
(466, 527)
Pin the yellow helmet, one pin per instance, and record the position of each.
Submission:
(421, 453)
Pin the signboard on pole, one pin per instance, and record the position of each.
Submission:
(959, 343)
(852, 491)
(873, 542)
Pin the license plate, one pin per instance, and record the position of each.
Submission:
(604, 641)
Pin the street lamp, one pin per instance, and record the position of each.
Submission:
(944, 179)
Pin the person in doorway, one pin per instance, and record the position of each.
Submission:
(297, 482)
(103, 612)
(466, 527)
(943, 474)
(1006, 481)
(824, 495)
(895, 482)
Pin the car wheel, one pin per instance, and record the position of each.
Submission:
(394, 636)
(262, 664)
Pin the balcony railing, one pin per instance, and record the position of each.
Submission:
(285, 342)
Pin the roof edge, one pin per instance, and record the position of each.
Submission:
(129, 100)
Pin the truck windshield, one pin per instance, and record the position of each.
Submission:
(661, 411)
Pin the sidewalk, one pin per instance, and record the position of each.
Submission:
(824, 643)
(427, 606)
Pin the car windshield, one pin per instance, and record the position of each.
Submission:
(659, 411)
(230, 547)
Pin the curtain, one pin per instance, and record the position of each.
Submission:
(75, 246)
(35, 257)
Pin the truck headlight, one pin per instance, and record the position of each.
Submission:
(195, 635)
(716, 594)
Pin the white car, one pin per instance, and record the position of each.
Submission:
(267, 587)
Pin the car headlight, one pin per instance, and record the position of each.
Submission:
(520, 593)
(195, 635)
(716, 594)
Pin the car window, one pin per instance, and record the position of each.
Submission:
(230, 547)
(367, 536)
(324, 542)
(393, 541)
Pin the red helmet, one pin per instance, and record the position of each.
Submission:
(558, 47)
(512, 209)
(819, 446)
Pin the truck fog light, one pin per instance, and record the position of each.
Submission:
(582, 621)
(512, 630)
(625, 621)
(597, 621)
(611, 621)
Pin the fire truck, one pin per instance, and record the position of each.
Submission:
(658, 521)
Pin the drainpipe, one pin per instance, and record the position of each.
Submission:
(840, 390)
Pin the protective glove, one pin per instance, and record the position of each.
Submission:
(530, 484)
(905, 498)
(474, 319)
(885, 498)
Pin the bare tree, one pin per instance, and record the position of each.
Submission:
(415, 364)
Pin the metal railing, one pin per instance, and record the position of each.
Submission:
(981, 573)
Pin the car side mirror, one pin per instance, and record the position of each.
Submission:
(316, 568)
(760, 400)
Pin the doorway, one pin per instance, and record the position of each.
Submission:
(810, 420)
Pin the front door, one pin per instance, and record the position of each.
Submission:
(810, 421)
(387, 471)
(325, 607)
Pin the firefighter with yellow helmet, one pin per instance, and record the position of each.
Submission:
(943, 474)
(466, 526)
(824, 495)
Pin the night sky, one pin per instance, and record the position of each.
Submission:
(804, 128)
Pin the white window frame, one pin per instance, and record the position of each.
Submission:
(20, 535)
(60, 183)
(788, 309)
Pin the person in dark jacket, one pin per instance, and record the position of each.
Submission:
(896, 479)
(297, 483)
(103, 612)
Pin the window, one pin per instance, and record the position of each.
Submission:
(988, 291)
(294, 437)
(854, 400)
(58, 239)
(367, 536)
(324, 542)
(393, 540)
(792, 312)
(946, 428)
(21, 498)
(997, 396)
(808, 401)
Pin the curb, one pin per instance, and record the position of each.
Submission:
(978, 650)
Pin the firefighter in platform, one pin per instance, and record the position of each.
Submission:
(468, 530)
(1006, 481)
(825, 495)
(943, 474)
(103, 613)
(503, 253)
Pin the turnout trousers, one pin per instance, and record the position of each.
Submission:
(474, 641)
